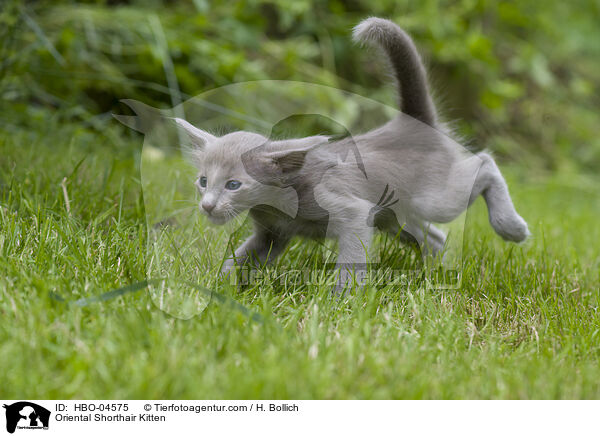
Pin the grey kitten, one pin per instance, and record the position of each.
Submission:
(400, 178)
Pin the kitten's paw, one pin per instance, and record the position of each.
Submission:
(227, 267)
(341, 291)
(511, 228)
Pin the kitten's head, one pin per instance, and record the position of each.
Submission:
(240, 170)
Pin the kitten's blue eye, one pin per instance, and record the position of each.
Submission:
(203, 181)
(232, 185)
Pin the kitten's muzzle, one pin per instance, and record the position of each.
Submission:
(208, 206)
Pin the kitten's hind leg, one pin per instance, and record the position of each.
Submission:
(425, 236)
(502, 214)
(429, 238)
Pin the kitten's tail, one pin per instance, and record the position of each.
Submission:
(415, 99)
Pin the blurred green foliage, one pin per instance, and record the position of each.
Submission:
(522, 77)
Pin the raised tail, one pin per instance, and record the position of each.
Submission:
(415, 99)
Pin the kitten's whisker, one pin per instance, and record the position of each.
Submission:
(182, 210)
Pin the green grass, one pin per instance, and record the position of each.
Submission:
(525, 324)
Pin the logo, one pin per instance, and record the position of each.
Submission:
(26, 415)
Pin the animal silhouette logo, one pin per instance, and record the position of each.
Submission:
(171, 155)
(26, 415)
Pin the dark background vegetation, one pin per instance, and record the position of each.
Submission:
(519, 78)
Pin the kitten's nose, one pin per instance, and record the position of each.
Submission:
(207, 206)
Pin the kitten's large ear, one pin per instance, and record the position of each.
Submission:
(288, 161)
(197, 137)
(273, 167)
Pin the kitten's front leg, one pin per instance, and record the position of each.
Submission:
(348, 217)
(354, 248)
(239, 257)
(260, 248)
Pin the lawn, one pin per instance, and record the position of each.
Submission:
(524, 324)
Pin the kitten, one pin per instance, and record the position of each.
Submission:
(400, 178)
